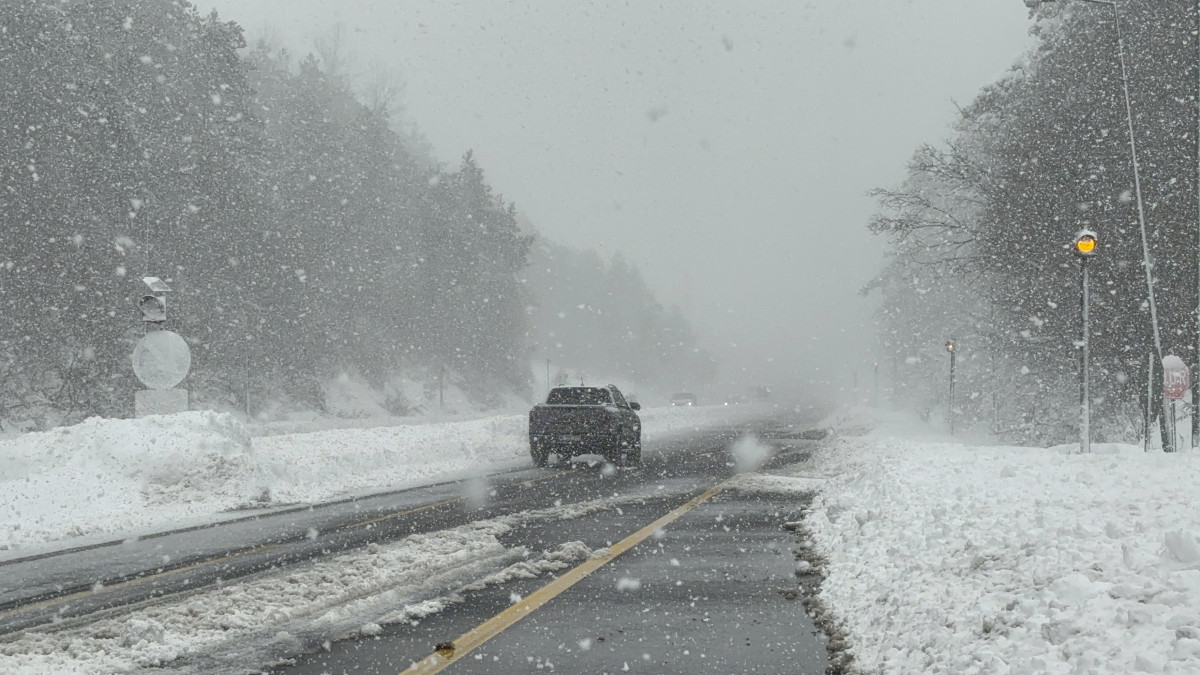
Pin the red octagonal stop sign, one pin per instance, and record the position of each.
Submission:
(1176, 377)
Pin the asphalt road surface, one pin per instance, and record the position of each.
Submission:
(706, 592)
(687, 574)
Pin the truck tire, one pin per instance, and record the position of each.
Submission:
(629, 453)
(540, 452)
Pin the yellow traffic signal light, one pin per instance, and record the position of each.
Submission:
(1086, 243)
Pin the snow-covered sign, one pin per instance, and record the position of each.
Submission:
(161, 359)
(1176, 377)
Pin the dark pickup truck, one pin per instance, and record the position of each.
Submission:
(586, 420)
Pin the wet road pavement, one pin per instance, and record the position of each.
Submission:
(705, 593)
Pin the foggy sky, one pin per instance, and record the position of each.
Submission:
(726, 147)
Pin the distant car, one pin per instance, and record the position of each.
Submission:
(683, 398)
(735, 399)
(586, 420)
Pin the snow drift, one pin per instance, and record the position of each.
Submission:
(106, 475)
(944, 557)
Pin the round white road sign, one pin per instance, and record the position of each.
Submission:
(161, 359)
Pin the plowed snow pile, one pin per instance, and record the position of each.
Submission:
(954, 558)
(103, 475)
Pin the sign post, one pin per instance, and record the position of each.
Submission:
(1149, 401)
(1177, 379)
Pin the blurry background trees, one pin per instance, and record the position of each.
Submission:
(306, 235)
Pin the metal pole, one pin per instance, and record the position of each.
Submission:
(1085, 404)
(1196, 355)
(1149, 400)
(442, 387)
(1173, 431)
(547, 377)
(876, 395)
(1137, 186)
(950, 403)
(995, 394)
(895, 378)
(992, 377)
(246, 358)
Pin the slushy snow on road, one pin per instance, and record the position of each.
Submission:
(230, 628)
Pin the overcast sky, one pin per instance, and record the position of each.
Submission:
(726, 147)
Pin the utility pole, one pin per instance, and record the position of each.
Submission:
(1195, 415)
(547, 377)
(1137, 186)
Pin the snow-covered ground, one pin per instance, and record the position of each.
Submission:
(106, 478)
(940, 557)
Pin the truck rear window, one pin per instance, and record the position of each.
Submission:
(579, 396)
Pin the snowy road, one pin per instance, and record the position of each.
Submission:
(706, 596)
(433, 560)
(706, 592)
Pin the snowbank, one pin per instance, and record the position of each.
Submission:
(318, 466)
(106, 478)
(107, 475)
(941, 557)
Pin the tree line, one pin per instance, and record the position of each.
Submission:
(303, 235)
(600, 317)
(981, 229)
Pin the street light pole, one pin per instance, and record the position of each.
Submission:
(1085, 247)
(950, 347)
(1085, 425)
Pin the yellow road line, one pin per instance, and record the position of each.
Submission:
(445, 657)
